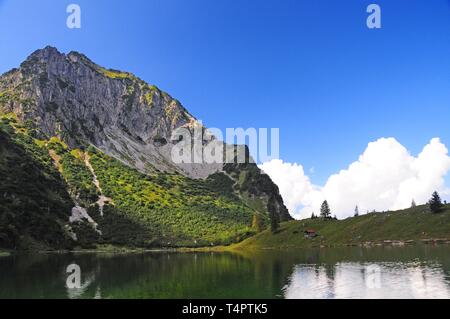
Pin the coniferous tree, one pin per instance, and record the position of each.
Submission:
(435, 203)
(274, 217)
(413, 204)
(325, 211)
(313, 216)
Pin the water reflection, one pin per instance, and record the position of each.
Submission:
(372, 281)
(410, 272)
(79, 292)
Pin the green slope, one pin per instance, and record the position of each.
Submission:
(178, 211)
(43, 180)
(34, 204)
(415, 224)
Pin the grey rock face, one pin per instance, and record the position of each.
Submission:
(69, 96)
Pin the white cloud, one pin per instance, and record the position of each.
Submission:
(385, 177)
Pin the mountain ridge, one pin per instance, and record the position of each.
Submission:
(76, 109)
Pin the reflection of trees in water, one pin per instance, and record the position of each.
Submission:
(164, 275)
(330, 271)
(369, 280)
(321, 273)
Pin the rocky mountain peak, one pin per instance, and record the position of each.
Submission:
(83, 104)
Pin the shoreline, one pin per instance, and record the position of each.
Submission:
(232, 248)
(396, 244)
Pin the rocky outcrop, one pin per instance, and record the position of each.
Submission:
(257, 189)
(69, 96)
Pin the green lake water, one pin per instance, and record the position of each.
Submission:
(381, 272)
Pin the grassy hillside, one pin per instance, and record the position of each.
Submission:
(176, 210)
(411, 224)
(42, 180)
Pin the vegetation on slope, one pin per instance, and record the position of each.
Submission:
(257, 190)
(177, 210)
(42, 180)
(34, 204)
(45, 179)
(416, 223)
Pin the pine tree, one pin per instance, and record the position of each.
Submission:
(435, 203)
(257, 224)
(325, 211)
(356, 211)
(274, 217)
(313, 216)
(413, 204)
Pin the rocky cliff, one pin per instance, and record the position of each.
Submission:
(85, 105)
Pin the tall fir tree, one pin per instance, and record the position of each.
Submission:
(325, 211)
(435, 203)
(274, 217)
(413, 204)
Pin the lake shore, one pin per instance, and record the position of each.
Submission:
(117, 250)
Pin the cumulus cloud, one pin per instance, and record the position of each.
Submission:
(385, 177)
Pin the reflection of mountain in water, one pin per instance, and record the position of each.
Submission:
(410, 272)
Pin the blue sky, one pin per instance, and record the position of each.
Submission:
(311, 68)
